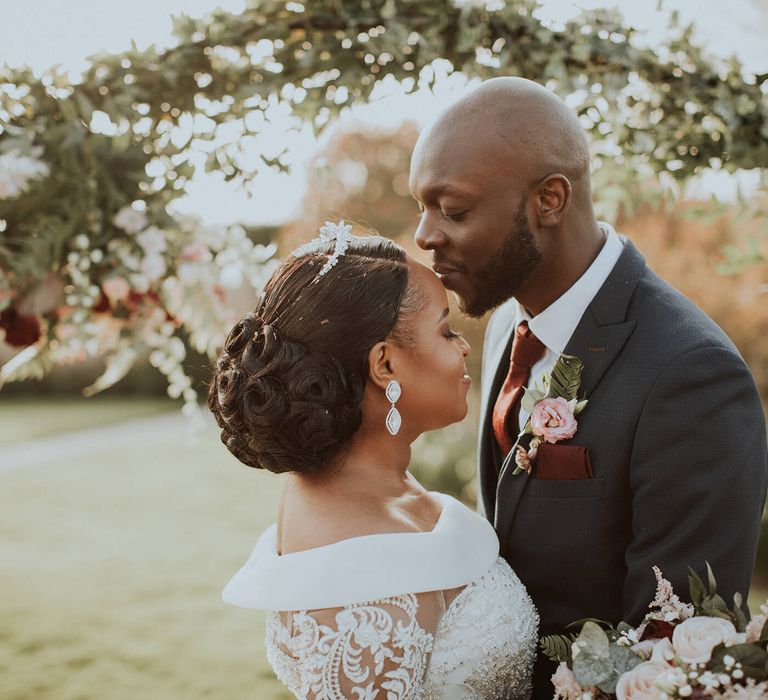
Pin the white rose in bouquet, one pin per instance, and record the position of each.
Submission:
(695, 638)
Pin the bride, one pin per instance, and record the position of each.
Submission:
(376, 587)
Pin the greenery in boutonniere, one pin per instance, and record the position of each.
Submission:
(553, 408)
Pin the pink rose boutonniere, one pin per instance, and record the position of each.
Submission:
(553, 410)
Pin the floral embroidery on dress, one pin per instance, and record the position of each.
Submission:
(374, 646)
(483, 648)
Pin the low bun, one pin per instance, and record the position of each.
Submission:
(281, 406)
(288, 386)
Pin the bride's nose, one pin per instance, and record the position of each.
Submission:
(466, 348)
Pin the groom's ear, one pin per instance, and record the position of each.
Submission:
(553, 197)
(380, 370)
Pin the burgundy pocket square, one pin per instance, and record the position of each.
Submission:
(562, 462)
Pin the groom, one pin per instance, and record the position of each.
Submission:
(668, 465)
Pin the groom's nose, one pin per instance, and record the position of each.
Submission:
(428, 236)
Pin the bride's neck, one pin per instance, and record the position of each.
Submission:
(370, 466)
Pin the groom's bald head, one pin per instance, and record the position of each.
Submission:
(502, 177)
(514, 125)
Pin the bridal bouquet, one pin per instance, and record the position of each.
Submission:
(703, 651)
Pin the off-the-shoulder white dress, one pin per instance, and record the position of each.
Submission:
(367, 618)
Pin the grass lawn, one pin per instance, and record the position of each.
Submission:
(29, 418)
(113, 557)
(112, 567)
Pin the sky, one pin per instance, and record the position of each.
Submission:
(41, 33)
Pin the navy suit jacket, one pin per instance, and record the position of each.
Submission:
(676, 436)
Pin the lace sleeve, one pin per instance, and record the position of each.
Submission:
(377, 649)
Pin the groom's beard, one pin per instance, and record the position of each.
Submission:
(501, 277)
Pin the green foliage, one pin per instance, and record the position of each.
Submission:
(557, 647)
(566, 377)
(706, 601)
(753, 659)
(140, 123)
(597, 662)
(444, 460)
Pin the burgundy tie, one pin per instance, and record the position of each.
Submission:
(527, 350)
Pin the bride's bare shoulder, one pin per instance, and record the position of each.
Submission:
(306, 521)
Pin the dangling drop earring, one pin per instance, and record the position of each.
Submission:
(394, 420)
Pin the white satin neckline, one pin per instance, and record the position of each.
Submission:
(461, 548)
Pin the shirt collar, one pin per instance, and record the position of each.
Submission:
(556, 324)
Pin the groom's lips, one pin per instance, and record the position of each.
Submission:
(446, 272)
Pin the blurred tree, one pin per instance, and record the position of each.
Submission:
(89, 256)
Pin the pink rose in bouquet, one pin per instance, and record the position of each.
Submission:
(566, 685)
(553, 420)
(640, 682)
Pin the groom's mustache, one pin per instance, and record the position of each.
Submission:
(442, 265)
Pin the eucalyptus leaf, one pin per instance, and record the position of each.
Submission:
(592, 663)
(623, 659)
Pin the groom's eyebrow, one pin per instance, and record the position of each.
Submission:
(438, 190)
(444, 314)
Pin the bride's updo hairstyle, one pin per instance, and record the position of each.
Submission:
(288, 385)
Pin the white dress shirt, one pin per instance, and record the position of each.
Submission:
(556, 324)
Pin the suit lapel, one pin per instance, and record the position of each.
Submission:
(598, 339)
(604, 328)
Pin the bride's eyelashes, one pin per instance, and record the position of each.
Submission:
(451, 335)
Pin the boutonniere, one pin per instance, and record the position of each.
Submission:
(553, 407)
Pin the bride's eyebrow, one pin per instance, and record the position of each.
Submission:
(443, 315)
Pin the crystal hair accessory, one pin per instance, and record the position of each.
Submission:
(338, 233)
